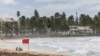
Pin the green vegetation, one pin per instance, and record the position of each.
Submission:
(57, 22)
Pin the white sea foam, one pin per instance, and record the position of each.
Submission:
(75, 46)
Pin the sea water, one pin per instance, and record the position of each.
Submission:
(72, 46)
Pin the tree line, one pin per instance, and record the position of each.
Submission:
(55, 23)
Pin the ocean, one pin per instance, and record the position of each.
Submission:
(72, 46)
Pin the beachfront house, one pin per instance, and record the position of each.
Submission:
(80, 30)
(9, 21)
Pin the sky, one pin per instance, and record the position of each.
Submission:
(8, 8)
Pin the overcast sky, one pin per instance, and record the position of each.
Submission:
(8, 8)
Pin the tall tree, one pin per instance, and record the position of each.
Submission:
(57, 21)
(7, 28)
(53, 26)
(64, 16)
(96, 25)
(22, 21)
(57, 15)
(23, 24)
(27, 23)
(65, 26)
(70, 20)
(42, 26)
(82, 20)
(33, 23)
(63, 23)
(18, 15)
(89, 20)
(36, 14)
(85, 20)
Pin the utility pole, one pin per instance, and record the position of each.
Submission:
(77, 18)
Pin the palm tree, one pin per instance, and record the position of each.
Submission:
(70, 20)
(7, 28)
(36, 14)
(18, 15)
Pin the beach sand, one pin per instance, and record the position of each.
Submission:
(5, 52)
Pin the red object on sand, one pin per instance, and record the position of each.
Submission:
(25, 41)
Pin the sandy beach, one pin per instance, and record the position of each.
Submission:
(5, 52)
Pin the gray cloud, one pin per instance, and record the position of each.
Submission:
(5, 2)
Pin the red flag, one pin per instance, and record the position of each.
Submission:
(25, 41)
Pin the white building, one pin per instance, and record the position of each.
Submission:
(80, 30)
(8, 20)
(2, 21)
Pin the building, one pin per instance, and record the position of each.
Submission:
(8, 20)
(74, 30)
(3, 21)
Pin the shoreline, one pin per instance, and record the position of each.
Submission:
(6, 52)
(43, 36)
